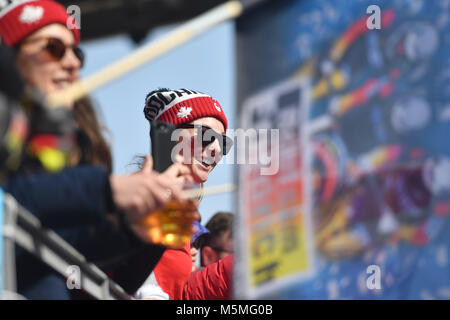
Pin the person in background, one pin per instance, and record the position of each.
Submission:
(200, 233)
(218, 243)
(213, 280)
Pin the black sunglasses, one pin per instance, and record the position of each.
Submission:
(227, 142)
(57, 48)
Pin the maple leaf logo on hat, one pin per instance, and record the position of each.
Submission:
(217, 107)
(31, 14)
(184, 112)
(181, 106)
(20, 18)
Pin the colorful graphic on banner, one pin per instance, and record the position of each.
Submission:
(274, 213)
(378, 122)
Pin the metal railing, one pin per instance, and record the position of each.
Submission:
(22, 228)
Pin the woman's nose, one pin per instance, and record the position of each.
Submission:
(70, 61)
(215, 147)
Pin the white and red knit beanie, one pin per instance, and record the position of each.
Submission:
(182, 106)
(20, 18)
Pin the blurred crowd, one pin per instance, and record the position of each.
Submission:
(57, 164)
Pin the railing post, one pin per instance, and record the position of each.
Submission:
(8, 220)
(23, 228)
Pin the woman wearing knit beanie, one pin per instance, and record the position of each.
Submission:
(197, 114)
(201, 116)
(48, 57)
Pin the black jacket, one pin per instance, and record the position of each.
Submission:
(76, 204)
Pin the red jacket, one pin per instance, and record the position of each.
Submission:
(211, 283)
(173, 270)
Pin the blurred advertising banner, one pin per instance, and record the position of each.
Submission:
(278, 240)
(373, 164)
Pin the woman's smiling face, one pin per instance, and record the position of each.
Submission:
(39, 68)
(203, 159)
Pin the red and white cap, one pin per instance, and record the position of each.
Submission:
(20, 18)
(182, 106)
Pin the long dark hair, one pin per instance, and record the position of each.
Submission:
(93, 147)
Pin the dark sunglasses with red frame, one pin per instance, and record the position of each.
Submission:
(207, 135)
(57, 48)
